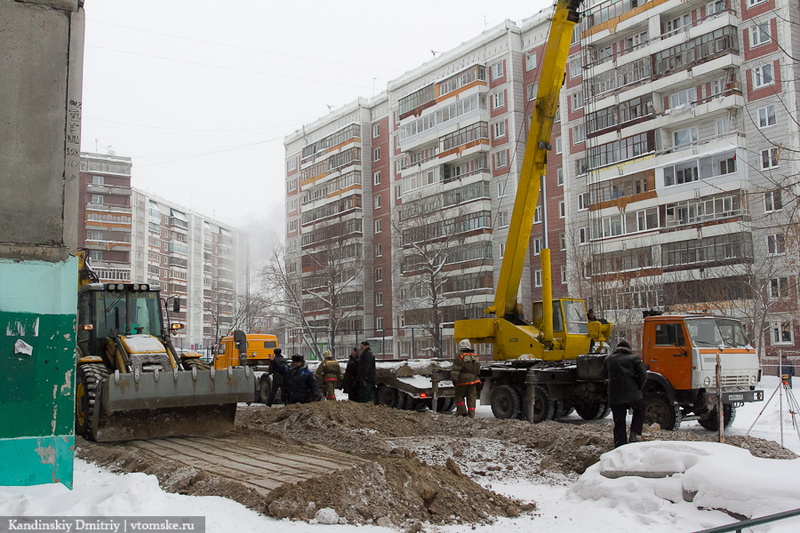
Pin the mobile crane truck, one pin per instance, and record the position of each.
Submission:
(546, 369)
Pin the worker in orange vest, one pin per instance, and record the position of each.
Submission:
(466, 368)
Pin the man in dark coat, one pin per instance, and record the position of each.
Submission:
(301, 385)
(626, 376)
(365, 374)
(349, 380)
(278, 361)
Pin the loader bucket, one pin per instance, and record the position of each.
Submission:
(154, 405)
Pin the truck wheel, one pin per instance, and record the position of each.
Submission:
(88, 381)
(543, 406)
(710, 420)
(659, 410)
(387, 396)
(264, 389)
(593, 410)
(505, 402)
(445, 405)
(404, 400)
(563, 409)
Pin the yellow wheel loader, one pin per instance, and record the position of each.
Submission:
(131, 383)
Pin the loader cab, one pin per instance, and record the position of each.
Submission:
(128, 308)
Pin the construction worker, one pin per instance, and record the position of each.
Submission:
(365, 374)
(300, 383)
(626, 376)
(331, 374)
(278, 362)
(466, 368)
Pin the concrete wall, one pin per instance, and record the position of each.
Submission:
(40, 119)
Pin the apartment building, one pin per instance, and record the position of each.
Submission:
(104, 212)
(196, 259)
(681, 181)
(671, 182)
(133, 236)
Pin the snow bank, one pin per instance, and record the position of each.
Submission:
(689, 477)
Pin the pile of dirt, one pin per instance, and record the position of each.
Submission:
(395, 490)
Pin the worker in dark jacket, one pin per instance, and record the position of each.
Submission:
(278, 361)
(300, 383)
(626, 376)
(349, 380)
(466, 367)
(365, 374)
(331, 374)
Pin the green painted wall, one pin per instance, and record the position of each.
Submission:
(38, 302)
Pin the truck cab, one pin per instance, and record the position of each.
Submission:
(680, 352)
(260, 351)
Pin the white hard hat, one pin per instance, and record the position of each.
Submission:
(465, 345)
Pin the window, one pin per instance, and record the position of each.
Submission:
(533, 90)
(498, 100)
(502, 219)
(537, 278)
(376, 178)
(379, 323)
(497, 70)
(722, 126)
(377, 155)
(581, 166)
(717, 6)
(502, 249)
(376, 130)
(95, 255)
(684, 137)
(576, 100)
(293, 225)
(781, 332)
(537, 214)
(776, 244)
(98, 180)
(763, 76)
(501, 189)
(530, 61)
(291, 184)
(560, 176)
(772, 201)
(558, 145)
(769, 158)
(562, 241)
(562, 210)
(583, 235)
(500, 130)
(681, 173)
(379, 274)
(292, 164)
(760, 34)
(778, 288)
(379, 250)
(647, 219)
(378, 226)
(500, 159)
(97, 198)
(563, 274)
(670, 335)
(684, 97)
(751, 3)
(578, 134)
(675, 25)
(574, 68)
(378, 299)
(94, 235)
(766, 116)
(377, 203)
(583, 201)
(538, 244)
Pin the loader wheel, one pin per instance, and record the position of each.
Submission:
(543, 406)
(710, 420)
(89, 380)
(388, 396)
(506, 402)
(593, 410)
(195, 362)
(264, 389)
(659, 410)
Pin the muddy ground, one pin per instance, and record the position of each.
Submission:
(408, 469)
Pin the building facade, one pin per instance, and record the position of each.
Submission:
(671, 183)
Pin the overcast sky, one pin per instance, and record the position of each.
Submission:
(200, 94)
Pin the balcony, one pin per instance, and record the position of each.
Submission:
(110, 275)
(93, 188)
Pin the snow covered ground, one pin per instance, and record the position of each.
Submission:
(719, 476)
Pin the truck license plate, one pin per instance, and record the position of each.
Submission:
(736, 397)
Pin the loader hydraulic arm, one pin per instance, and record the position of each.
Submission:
(533, 164)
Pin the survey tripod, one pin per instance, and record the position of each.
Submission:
(791, 402)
